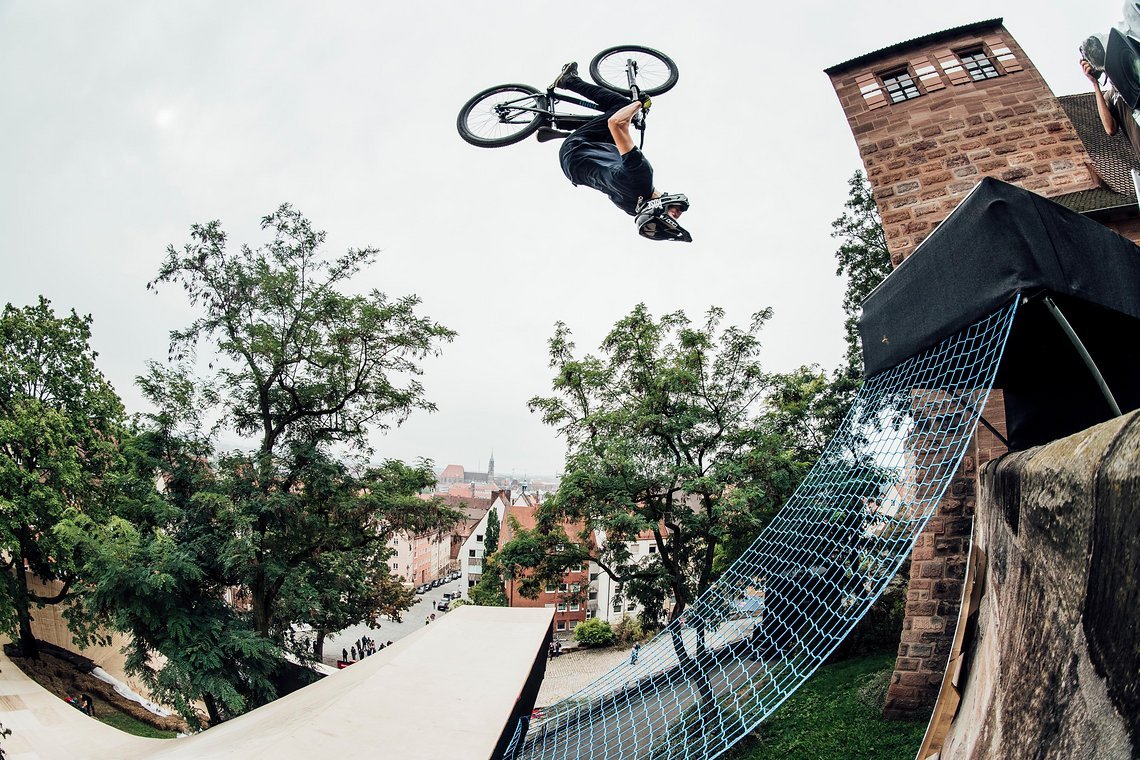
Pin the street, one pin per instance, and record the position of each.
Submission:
(411, 621)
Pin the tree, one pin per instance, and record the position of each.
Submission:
(863, 257)
(488, 591)
(809, 405)
(491, 539)
(348, 580)
(60, 421)
(303, 367)
(594, 632)
(165, 571)
(666, 436)
(242, 548)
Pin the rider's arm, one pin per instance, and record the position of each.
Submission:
(619, 127)
(1107, 120)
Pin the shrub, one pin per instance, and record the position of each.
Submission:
(629, 630)
(594, 633)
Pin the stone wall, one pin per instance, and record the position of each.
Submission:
(1051, 663)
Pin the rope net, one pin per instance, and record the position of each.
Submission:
(756, 635)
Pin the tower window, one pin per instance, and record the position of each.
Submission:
(977, 64)
(900, 85)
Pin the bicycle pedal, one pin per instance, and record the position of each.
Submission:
(645, 103)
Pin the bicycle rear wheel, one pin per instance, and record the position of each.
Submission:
(502, 115)
(656, 72)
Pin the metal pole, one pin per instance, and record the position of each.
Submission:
(1077, 344)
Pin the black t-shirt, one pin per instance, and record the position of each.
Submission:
(625, 179)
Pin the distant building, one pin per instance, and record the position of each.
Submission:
(606, 600)
(454, 473)
(422, 558)
(568, 597)
(473, 549)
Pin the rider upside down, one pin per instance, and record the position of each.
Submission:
(601, 154)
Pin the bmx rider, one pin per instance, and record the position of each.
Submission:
(601, 154)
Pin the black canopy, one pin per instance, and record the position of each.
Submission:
(999, 243)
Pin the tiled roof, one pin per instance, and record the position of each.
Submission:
(1093, 200)
(1112, 156)
(958, 31)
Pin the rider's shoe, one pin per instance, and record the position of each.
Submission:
(546, 134)
(569, 71)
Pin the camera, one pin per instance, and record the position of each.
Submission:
(1092, 50)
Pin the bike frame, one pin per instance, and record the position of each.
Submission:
(556, 119)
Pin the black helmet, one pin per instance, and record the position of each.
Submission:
(654, 222)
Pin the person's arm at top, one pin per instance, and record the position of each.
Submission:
(1107, 120)
(619, 127)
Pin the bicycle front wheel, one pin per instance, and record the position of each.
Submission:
(656, 72)
(502, 115)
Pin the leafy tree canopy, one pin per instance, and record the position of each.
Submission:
(667, 438)
(60, 423)
(243, 550)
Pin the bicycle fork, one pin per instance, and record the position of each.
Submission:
(635, 91)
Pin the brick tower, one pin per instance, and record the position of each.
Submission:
(931, 117)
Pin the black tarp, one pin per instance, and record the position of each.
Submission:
(1002, 242)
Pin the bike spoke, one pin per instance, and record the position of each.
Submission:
(651, 72)
(502, 114)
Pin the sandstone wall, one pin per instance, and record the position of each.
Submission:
(1052, 661)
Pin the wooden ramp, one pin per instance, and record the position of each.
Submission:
(447, 691)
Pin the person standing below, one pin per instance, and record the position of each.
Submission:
(634, 653)
(601, 154)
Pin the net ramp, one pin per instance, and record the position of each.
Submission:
(987, 284)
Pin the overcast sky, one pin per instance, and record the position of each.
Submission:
(125, 122)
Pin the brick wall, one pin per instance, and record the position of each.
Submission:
(922, 156)
(937, 569)
(1129, 228)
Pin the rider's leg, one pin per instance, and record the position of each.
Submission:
(607, 99)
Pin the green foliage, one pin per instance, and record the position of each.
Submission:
(667, 435)
(881, 627)
(294, 531)
(863, 257)
(489, 591)
(594, 632)
(629, 630)
(536, 559)
(60, 421)
(130, 725)
(491, 538)
(304, 365)
(832, 716)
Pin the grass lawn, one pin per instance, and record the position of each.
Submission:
(126, 723)
(836, 716)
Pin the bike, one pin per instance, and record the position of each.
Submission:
(509, 113)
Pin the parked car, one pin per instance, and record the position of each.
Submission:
(449, 595)
(442, 605)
